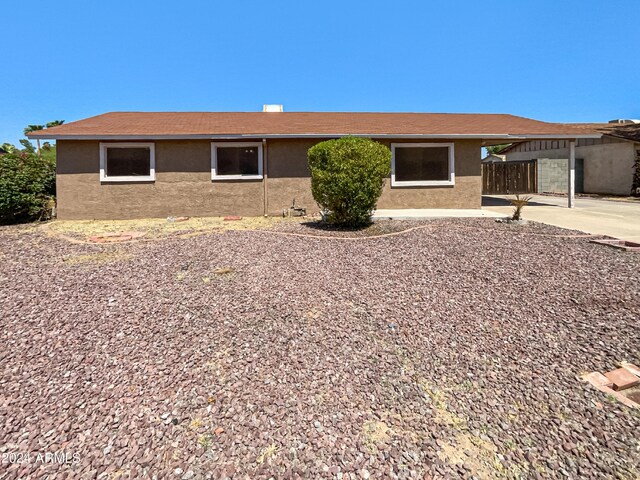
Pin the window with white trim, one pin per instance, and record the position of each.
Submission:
(236, 161)
(127, 162)
(422, 164)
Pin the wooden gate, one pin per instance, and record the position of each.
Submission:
(509, 177)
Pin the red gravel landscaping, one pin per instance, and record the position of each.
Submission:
(451, 350)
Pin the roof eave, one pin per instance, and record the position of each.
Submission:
(493, 136)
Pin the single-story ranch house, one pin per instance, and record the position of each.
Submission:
(124, 165)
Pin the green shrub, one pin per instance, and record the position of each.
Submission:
(347, 176)
(27, 186)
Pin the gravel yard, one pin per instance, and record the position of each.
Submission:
(452, 349)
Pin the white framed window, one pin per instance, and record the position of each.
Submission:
(236, 161)
(422, 164)
(127, 162)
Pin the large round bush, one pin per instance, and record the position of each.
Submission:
(27, 186)
(347, 176)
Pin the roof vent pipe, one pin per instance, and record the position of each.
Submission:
(272, 108)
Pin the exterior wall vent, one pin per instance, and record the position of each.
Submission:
(272, 108)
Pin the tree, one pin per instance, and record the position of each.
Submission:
(347, 177)
(493, 149)
(34, 128)
(55, 123)
(28, 146)
(7, 147)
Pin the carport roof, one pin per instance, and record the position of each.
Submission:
(630, 132)
(210, 125)
(625, 131)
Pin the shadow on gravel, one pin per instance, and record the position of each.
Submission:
(375, 228)
(488, 201)
(328, 227)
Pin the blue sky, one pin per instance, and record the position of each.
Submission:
(554, 60)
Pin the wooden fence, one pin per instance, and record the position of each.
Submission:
(509, 177)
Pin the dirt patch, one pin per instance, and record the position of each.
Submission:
(476, 455)
(633, 394)
(156, 228)
(116, 237)
(223, 271)
(374, 434)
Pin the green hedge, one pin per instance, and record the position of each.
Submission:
(347, 177)
(27, 186)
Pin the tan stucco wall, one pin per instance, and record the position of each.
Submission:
(183, 183)
(288, 175)
(608, 168)
(289, 179)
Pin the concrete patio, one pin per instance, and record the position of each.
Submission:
(592, 215)
(618, 219)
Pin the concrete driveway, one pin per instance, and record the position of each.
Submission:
(592, 215)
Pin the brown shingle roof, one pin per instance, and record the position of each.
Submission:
(624, 131)
(206, 124)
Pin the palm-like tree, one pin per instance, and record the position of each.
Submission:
(34, 128)
(7, 147)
